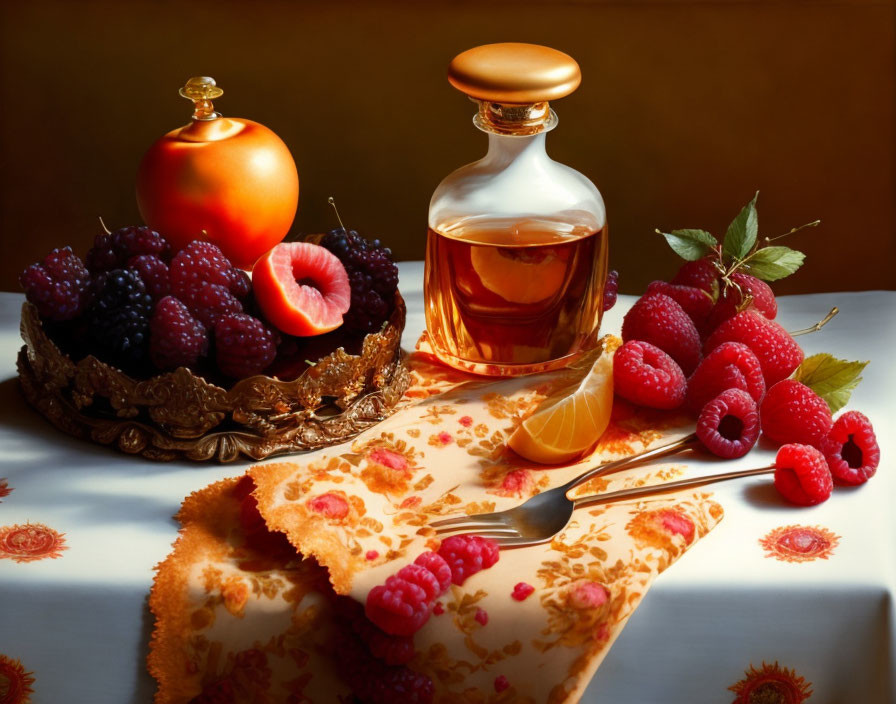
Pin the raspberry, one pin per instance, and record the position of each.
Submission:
(374, 682)
(133, 241)
(522, 591)
(114, 250)
(611, 290)
(696, 302)
(372, 275)
(59, 286)
(439, 568)
(501, 683)
(468, 554)
(392, 650)
(423, 578)
(777, 352)
(243, 346)
(731, 299)
(851, 449)
(731, 365)
(176, 339)
(801, 475)
(481, 617)
(197, 264)
(791, 412)
(699, 274)
(728, 426)
(659, 320)
(153, 272)
(647, 376)
(399, 607)
(101, 257)
(212, 302)
(119, 320)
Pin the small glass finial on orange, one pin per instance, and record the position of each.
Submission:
(202, 90)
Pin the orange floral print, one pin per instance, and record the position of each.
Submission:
(665, 529)
(30, 541)
(390, 464)
(771, 684)
(15, 682)
(800, 543)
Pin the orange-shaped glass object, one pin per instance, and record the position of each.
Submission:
(227, 180)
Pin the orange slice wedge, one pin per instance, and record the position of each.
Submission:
(570, 420)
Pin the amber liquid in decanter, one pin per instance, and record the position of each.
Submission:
(511, 297)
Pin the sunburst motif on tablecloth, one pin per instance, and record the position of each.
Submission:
(15, 682)
(5, 489)
(771, 684)
(800, 543)
(29, 542)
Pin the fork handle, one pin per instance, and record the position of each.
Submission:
(609, 467)
(670, 486)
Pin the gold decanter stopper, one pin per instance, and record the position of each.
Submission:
(513, 83)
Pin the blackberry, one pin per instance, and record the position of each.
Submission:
(372, 275)
(119, 320)
(59, 286)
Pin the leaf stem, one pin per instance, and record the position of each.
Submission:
(814, 223)
(819, 325)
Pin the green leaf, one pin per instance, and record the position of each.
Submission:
(690, 244)
(831, 378)
(741, 234)
(773, 263)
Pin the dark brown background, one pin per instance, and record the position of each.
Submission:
(685, 110)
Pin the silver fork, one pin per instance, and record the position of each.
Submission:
(543, 516)
(555, 499)
(537, 521)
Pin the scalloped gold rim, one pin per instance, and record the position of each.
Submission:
(179, 415)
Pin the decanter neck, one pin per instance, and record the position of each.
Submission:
(505, 149)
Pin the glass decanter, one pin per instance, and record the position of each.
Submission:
(516, 255)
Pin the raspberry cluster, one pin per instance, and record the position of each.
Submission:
(372, 274)
(710, 343)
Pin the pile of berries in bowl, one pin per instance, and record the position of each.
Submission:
(176, 353)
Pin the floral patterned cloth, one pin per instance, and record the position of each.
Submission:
(243, 619)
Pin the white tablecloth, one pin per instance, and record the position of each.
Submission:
(80, 623)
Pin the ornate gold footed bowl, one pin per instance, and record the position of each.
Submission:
(180, 415)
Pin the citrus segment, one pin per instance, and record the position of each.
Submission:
(570, 420)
